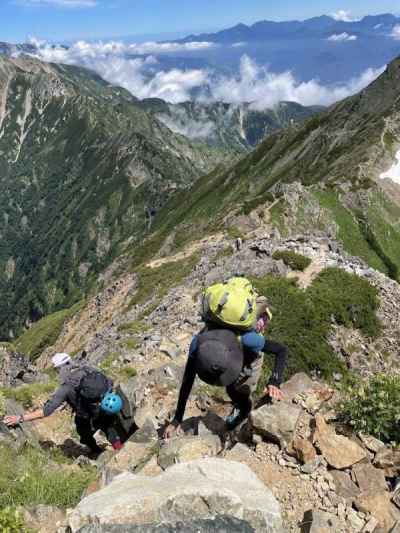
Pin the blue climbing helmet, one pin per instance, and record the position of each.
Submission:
(111, 403)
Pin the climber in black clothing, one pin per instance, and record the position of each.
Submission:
(218, 358)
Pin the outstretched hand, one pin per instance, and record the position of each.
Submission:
(171, 430)
(274, 393)
(11, 421)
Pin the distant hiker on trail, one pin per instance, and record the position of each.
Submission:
(89, 394)
(223, 356)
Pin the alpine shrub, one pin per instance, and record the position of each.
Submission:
(11, 521)
(292, 260)
(303, 318)
(373, 407)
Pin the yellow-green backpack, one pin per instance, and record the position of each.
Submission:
(232, 304)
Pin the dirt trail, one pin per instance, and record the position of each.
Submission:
(188, 251)
(311, 272)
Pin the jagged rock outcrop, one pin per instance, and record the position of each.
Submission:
(16, 369)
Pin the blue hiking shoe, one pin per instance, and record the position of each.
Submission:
(236, 417)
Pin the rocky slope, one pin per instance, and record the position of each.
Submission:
(338, 155)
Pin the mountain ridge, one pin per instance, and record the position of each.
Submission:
(317, 26)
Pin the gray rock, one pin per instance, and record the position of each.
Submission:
(369, 478)
(276, 422)
(146, 433)
(345, 487)
(188, 448)
(203, 489)
(220, 524)
(319, 522)
(16, 369)
(21, 434)
(297, 384)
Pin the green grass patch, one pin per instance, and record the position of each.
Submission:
(7, 346)
(223, 254)
(235, 233)
(292, 260)
(107, 362)
(117, 373)
(130, 344)
(45, 332)
(127, 372)
(302, 318)
(133, 328)
(31, 477)
(350, 232)
(11, 521)
(27, 394)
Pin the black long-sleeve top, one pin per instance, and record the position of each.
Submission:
(252, 343)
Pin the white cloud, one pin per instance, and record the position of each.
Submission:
(239, 45)
(136, 75)
(396, 32)
(342, 37)
(180, 122)
(144, 78)
(344, 16)
(59, 3)
(264, 89)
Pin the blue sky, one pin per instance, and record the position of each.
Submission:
(54, 20)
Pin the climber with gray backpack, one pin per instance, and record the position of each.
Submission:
(228, 352)
(90, 395)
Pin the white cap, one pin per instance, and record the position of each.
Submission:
(60, 359)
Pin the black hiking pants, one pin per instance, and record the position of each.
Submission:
(87, 427)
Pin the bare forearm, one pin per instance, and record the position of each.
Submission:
(35, 415)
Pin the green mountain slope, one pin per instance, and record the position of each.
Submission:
(226, 125)
(337, 156)
(83, 170)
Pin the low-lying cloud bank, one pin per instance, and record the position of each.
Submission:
(144, 76)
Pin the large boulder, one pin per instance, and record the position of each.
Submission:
(202, 489)
(339, 451)
(276, 422)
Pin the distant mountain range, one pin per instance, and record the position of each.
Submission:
(321, 48)
(323, 26)
(332, 51)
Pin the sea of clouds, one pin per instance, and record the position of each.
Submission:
(138, 68)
